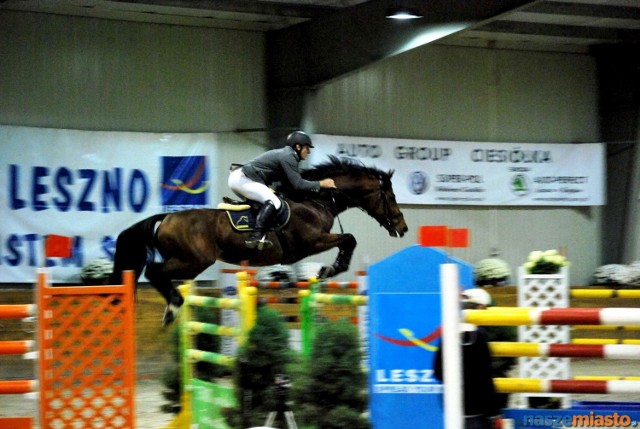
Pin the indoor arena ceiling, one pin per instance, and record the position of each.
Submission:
(554, 25)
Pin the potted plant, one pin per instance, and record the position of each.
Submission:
(545, 262)
(491, 272)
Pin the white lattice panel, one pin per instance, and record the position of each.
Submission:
(544, 290)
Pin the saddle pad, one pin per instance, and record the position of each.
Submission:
(245, 220)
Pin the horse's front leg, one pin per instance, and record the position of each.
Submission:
(346, 246)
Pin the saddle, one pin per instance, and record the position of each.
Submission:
(242, 215)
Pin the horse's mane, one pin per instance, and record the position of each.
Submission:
(343, 166)
(336, 166)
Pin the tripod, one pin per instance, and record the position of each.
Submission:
(288, 415)
(282, 409)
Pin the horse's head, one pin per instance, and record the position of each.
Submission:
(379, 201)
(367, 188)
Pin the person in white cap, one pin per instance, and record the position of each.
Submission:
(476, 298)
(480, 398)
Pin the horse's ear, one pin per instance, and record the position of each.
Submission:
(385, 178)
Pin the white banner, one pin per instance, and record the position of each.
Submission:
(92, 185)
(472, 173)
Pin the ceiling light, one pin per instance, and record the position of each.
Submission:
(402, 13)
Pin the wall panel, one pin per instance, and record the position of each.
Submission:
(86, 73)
(460, 93)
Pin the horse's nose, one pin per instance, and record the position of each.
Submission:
(403, 230)
(400, 231)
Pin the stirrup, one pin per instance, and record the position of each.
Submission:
(259, 243)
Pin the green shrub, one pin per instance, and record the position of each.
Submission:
(344, 417)
(332, 393)
(265, 354)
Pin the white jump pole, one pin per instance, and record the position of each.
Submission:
(452, 349)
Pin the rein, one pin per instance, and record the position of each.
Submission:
(388, 219)
(335, 206)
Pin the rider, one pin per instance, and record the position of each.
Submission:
(253, 179)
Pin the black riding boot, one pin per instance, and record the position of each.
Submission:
(267, 211)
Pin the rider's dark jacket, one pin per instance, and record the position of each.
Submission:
(279, 165)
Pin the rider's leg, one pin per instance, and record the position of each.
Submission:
(241, 184)
(263, 219)
(235, 181)
(254, 191)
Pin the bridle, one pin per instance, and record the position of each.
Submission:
(389, 219)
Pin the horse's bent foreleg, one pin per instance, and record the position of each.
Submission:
(346, 247)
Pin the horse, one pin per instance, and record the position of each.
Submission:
(189, 241)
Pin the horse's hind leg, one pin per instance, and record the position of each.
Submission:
(161, 274)
(163, 284)
(131, 254)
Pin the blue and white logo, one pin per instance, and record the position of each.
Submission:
(185, 182)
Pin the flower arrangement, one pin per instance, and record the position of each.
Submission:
(96, 272)
(618, 274)
(491, 271)
(545, 262)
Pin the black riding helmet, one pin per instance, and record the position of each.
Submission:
(298, 137)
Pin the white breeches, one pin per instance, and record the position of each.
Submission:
(255, 191)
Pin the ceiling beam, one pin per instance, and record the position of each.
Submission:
(311, 53)
(585, 9)
(569, 31)
(292, 10)
(322, 49)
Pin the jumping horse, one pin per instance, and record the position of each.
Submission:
(190, 241)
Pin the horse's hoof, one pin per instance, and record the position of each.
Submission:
(170, 314)
(326, 272)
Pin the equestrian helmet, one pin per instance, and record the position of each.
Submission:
(299, 137)
(476, 296)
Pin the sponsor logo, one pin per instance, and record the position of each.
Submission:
(410, 340)
(418, 182)
(520, 185)
(229, 290)
(184, 182)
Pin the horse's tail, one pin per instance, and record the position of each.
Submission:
(131, 247)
